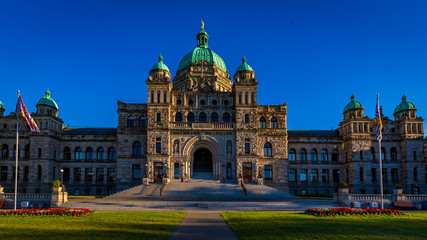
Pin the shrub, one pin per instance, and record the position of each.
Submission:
(75, 212)
(322, 212)
(343, 184)
(56, 183)
(398, 186)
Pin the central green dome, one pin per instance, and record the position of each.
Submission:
(202, 52)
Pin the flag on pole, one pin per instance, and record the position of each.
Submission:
(30, 121)
(378, 120)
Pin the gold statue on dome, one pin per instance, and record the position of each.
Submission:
(202, 23)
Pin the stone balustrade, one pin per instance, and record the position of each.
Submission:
(55, 199)
(202, 125)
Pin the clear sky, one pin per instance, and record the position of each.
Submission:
(311, 54)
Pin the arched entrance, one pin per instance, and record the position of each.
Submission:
(202, 160)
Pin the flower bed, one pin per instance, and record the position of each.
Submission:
(76, 212)
(322, 212)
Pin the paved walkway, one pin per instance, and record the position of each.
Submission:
(204, 225)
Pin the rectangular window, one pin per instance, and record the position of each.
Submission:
(303, 175)
(336, 175)
(3, 173)
(385, 177)
(292, 175)
(414, 153)
(247, 148)
(361, 174)
(99, 174)
(246, 98)
(14, 171)
(77, 174)
(415, 174)
(246, 118)
(268, 172)
(88, 174)
(394, 175)
(26, 172)
(39, 172)
(39, 153)
(136, 172)
(314, 173)
(159, 117)
(76, 192)
(374, 174)
(361, 155)
(158, 147)
(111, 174)
(325, 175)
(66, 174)
(252, 98)
(165, 99)
(240, 98)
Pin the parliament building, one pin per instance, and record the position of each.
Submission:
(204, 120)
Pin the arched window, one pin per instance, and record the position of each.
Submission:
(291, 155)
(178, 117)
(335, 155)
(313, 155)
(214, 117)
(190, 117)
(27, 151)
(273, 123)
(136, 149)
(202, 117)
(303, 155)
(383, 153)
(5, 151)
(372, 153)
(101, 154)
(229, 147)
(226, 117)
(152, 96)
(131, 121)
(111, 153)
(165, 98)
(262, 122)
(158, 96)
(393, 154)
(78, 153)
(267, 149)
(67, 153)
(89, 153)
(142, 121)
(176, 146)
(324, 155)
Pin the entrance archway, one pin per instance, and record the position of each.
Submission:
(202, 160)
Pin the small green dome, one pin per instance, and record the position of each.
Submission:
(244, 66)
(48, 101)
(1, 105)
(353, 104)
(160, 65)
(202, 52)
(404, 105)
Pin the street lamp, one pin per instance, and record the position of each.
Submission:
(62, 177)
(145, 175)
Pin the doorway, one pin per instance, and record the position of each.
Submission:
(247, 171)
(202, 161)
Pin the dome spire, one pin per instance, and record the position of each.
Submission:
(202, 23)
(404, 98)
(202, 36)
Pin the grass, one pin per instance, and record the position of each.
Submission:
(296, 225)
(100, 225)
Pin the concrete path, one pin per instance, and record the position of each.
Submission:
(204, 225)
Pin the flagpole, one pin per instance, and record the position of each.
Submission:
(16, 154)
(381, 163)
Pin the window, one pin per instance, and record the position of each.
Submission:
(26, 173)
(246, 118)
(136, 172)
(39, 172)
(240, 98)
(336, 175)
(165, 98)
(111, 153)
(325, 175)
(214, 102)
(247, 146)
(88, 174)
(291, 155)
(101, 154)
(136, 149)
(226, 102)
(131, 121)
(159, 117)
(273, 123)
(385, 177)
(178, 117)
(267, 149)
(313, 155)
(252, 98)
(292, 175)
(262, 122)
(214, 117)
(335, 155)
(372, 153)
(152, 96)
(268, 172)
(393, 154)
(383, 153)
(226, 117)
(190, 117)
(414, 155)
(303, 175)
(246, 98)
(77, 174)
(415, 174)
(229, 147)
(89, 153)
(5, 151)
(302, 155)
(324, 155)
(361, 155)
(178, 102)
(78, 153)
(190, 102)
(39, 153)
(27, 151)
(111, 174)
(66, 174)
(67, 153)
(314, 173)
(3, 173)
(361, 174)
(158, 96)
(202, 102)
(142, 122)
(202, 117)
(394, 175)
(99, 174)
(374, 174)
(158, 145)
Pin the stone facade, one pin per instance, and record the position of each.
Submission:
(202, 120)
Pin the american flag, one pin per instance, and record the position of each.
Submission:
(30, 121)
(378, 120)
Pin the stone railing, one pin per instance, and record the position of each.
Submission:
(369, 197)
(202, 125)
(55, 199)
(26, 196)
(414, 197)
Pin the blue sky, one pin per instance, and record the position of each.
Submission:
(311, 54)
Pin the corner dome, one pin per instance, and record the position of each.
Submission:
(160, 65)
(404, 105)
(353, 104)
(47, 100)
(202, 52)
(244, 66)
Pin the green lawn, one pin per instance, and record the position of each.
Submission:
(296, 225)
(100, 225)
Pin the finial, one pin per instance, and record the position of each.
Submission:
(404, 98)
(47, 92)
(160, 58)
(244, 59)
(202, 23)
(352, 97)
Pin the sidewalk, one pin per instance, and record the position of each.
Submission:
(204, 225)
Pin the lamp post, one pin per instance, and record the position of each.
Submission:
(62, 177)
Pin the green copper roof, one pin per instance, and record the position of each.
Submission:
(1, 105)
(160, 65)
(404, 105)
(244, 66)
(353, 104)
(202, 52)
(47, 100)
